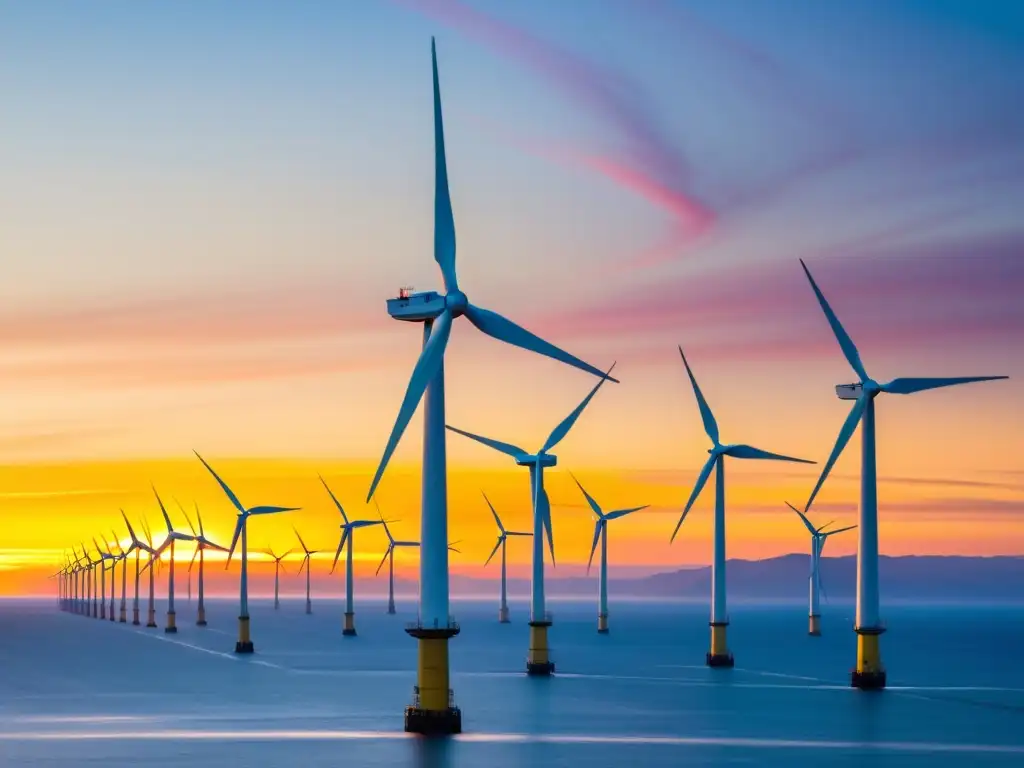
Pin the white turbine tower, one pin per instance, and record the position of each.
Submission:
(104, 557)
(869, 672)
(122, 557)
(719, 655)
(601, 535)
(171, 538)
(277, 574)
(306, 558)
(503, 543)
(136, 547)
(347, 536)
(818, 537)
(202, 544)
(434, 711)
(538, 661)
(389, 557)
(244, 643)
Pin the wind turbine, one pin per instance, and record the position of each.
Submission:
(347, 535)
(104, 556)
(85, 569)
(433, 710)
(122, 557)
(601, 535)
(136, 546)
(818, 537)
(502, 542)
(308, 554)
(389, 556)
(114, 560)
(172, 536)
(869, 672)
(202, 544)
(244, 644)
(719, 655)
(538, 662)
(277, 574)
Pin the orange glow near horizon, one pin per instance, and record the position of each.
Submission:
(50, 507)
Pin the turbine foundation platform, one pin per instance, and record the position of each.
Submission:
(869, 674)
(602, 623)
(538, 662)
(171, 627)
(244, 644)
(309, 607)
(433, 711)
(123, 618)
(103, 610)
(135, 616)
(201, 617)
(503, 615)
(349, 630)
(814, 625)
(719, 655)
(151, 619)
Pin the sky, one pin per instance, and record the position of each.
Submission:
(205, 205)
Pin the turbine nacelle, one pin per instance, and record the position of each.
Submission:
(543, 460)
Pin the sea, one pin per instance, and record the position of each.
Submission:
(80, 691)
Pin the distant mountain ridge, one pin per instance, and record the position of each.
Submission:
(924, 577)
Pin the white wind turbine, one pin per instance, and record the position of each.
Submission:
(104, 557)
(389, 557)
(171, 537)
(244, 644)
(818, 537)
(435, 711)
(347, 536)
(869, 672)
(136, 546)
(122, 557)
(502, 542)
(601, 536)
(719, 655)
(277, 574)
(202, 544)
(539, 661)
(306, 563)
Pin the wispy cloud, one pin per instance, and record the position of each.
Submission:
(653, 166)
(948, 293)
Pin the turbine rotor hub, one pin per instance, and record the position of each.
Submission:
(456, 302)
(872, 387)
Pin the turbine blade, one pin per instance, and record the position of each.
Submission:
(163, 510)
(304, 547)
(559, 432)
(383, 559)
(495, 513)
(239, 522)
(590, 499)
(223, 485)
(303, 563)
(517, 533)
(838, 530)
(623, 512)
(503, 329)
(341, 545)
(131, 531)
(193, 560)
(826, 525)
(507, 448)
(199, 517)
(545, 506)
(444, 219)
(845, 342)
(498, 544)
(910, 386)
(702, 478)
(597, 539)
(334, 499)
(845, 433)
(187, 518)
(706, 416)
(267, 510)
(426, 368)
(807, 523)
(750, 452)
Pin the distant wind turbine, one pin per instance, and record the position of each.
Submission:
(171, 538)
(719, 655)
(136, 546)
(306, 563)
(818, 537)
(347, 535)
(601, 536)
(202, 544)
(277, 574)
(869, 672)
(502, 543)
(389, 557)
(104, 557)
(538, 661)
(122, 557)
(244, 644)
